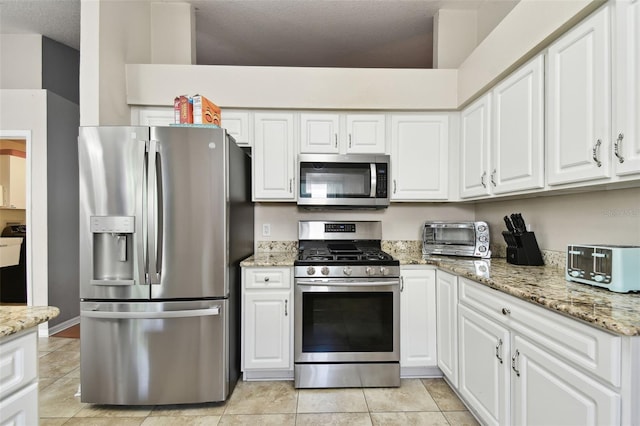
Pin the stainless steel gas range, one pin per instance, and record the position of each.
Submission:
(347, 307)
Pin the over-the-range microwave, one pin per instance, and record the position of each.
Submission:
(343, 181)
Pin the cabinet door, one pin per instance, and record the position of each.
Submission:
(274, 157)
(447, 325)
(579, 103)
(267, 329)
(365, 134)
(13, 178)
(156, 116)
(626, 133)
(419, 157)
(319, 133)
(475, 126)
(546, 391)
(517, 149)
(484, 366)
(418, 318)
(237, 125)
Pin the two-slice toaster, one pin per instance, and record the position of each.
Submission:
(614, 267)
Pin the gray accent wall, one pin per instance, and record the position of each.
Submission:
(61, 69)
(63, 119)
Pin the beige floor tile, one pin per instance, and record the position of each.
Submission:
(181, 421)
(104, 421)
(331, 401)
(94, 410)
(74, 373)
(58, 400)
(209, 409)
(334, 419)
(52, 421)
(434, 418)
(258, 419)
(43, 383)
(262, 398)
(73, 345)
(410, 396)
(444, 396)
(58, 363)
(461, 418)
(48, 344)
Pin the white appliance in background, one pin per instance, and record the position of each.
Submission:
(165, 218)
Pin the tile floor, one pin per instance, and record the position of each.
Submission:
(416, 402)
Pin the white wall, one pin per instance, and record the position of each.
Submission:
(490, 14)
(113, 33)
(399, 222)
(20, 61)
(173, 33)
(597, 217)
(455, 37)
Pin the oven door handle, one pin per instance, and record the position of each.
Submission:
(348, 284)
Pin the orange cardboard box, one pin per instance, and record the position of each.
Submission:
(205, 111)
(186, 110)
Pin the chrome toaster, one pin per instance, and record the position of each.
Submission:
(609, 266)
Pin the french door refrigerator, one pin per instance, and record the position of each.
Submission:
(165, 219)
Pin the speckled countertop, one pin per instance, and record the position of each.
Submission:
(546, 286)
(17, 318)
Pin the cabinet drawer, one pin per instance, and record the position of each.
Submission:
(267, 278)
(21, 408)
(18, 362)
(589, 348)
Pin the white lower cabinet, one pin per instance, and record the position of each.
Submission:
(19, 379)
(523, 365)
(418, 354)
(267, 323)
(447, 325)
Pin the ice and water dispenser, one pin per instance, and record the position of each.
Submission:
(113, 249)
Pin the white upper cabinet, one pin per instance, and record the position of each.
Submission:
(626, 131)
(274, 157)
(419, 157)
(238, 125)
(517, 144)
(475, 133)
(342, 133)
(578, 102)
(502, 136)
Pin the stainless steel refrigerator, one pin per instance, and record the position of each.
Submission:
(165, 219)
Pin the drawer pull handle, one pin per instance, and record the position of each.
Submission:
(514, 360)
(498, 348)
(266, 279)
(506, 311)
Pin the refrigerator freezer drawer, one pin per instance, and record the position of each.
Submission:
(154, 353)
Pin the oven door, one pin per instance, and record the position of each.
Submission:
(347, 320)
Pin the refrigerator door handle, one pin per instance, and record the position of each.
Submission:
(212, 311)
(152, 215)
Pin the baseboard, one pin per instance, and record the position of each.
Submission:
(64, 325)
(420, 372)
(261, 375)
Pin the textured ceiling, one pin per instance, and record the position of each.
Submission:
(331, 33)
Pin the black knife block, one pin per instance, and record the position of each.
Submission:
(522, 248)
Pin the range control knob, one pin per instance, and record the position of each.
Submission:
(574, 273)
(369, 270)
(311, 270)
(324, 270)
(384, 271)
(347, 270)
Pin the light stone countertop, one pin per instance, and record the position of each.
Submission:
(546, 286)
(14, 319)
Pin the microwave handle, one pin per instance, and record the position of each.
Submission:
(374, 180)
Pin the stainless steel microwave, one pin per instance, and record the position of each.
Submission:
(343, 181)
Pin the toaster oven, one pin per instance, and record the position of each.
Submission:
(609, 266)
(456, 239)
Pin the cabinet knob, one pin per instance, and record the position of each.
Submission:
(506, 311)
(266, 280)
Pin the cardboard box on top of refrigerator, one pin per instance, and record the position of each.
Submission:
(186, 110)
(205, 111)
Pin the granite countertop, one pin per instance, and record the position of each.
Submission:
(14, 319)
(546, 286)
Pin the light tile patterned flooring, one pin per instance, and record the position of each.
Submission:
(416, 402)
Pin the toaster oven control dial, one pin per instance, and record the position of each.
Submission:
(311, 270)
(482, 228)
(483, 238)
(482, 248)
(347, 271)
(324, 270)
